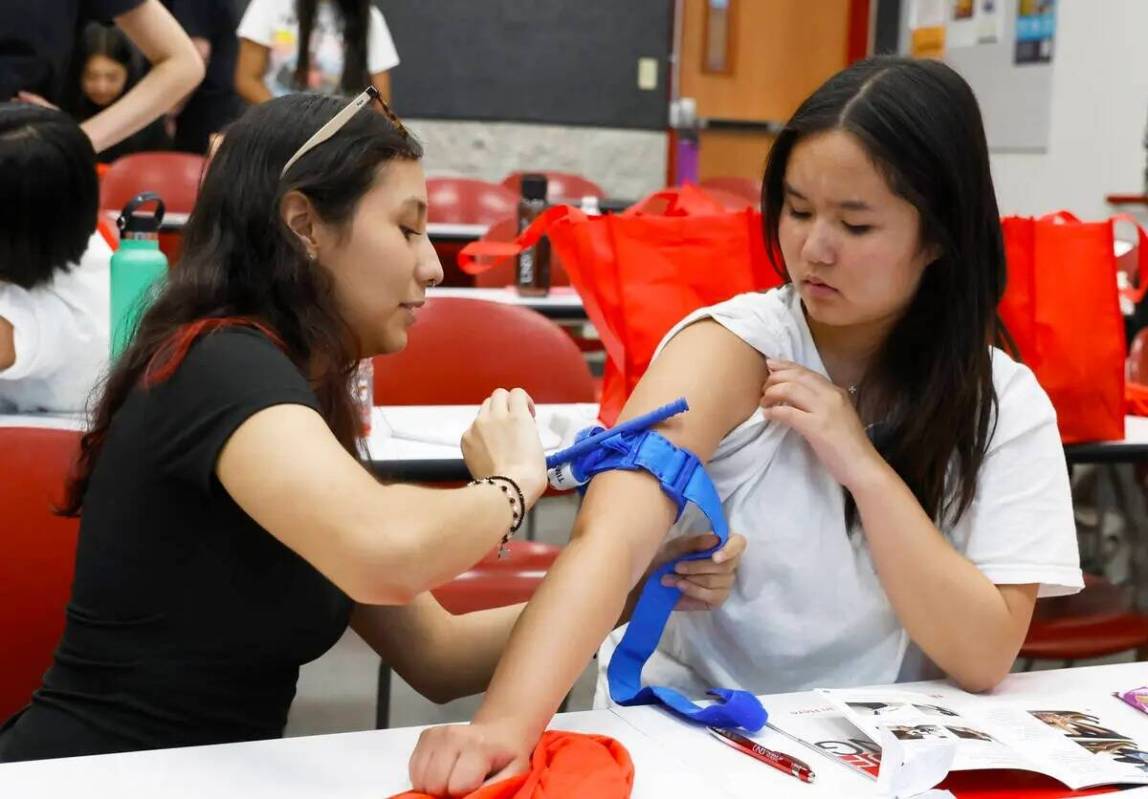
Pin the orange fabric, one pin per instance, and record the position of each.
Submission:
(1135, 399)
(565, 765)
(1061, 307)
(640, 272)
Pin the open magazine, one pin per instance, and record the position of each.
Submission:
(931, 735)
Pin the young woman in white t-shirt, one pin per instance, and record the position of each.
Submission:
(901, 482)
(327, 46)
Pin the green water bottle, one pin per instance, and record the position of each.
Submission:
(136, 267)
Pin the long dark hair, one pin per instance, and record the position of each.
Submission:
(919, 123)
(242, 265)
(356, 17)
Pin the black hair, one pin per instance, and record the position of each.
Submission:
(920, 125)
(49, 193)
(355, 17)
(241, 262)
(104, 40)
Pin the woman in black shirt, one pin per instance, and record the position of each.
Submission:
(229, 532)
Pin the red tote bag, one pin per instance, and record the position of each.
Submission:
(640, 272)
(1061, 307)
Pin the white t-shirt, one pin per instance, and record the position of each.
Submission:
(273, 24)
(61, 336)
(807, 609)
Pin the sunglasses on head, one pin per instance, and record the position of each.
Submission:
(342, 118)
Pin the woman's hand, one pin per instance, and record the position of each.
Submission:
(458, 759)
(504, 440)
(823, 414)
(705, 584)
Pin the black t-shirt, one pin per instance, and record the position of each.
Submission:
(38, 37)
(188, 622)
(215, 103)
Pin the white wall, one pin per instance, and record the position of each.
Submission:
(627, 164)
(1098, 116)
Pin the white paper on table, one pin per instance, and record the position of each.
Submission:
(555, 428)
(910, 768)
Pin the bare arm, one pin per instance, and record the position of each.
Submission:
(441, 656)
(969, 627)
(380, 544)
(175, 72)
(7, 344)
(249, 71)
(444, 657)
(623, 519)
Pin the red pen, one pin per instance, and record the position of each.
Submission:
(779, 760)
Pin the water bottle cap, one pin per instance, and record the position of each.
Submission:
(534, 187)
(130, 222)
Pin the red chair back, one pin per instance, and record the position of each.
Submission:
(173, 176)
(466, 201)
(39, 556)
(745, 188)
(502, 274)
(561, 187)
(460, 350)
(496, 582)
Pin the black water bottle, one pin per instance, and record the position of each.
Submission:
(533, 273)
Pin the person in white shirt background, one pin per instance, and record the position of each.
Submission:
(326, 46)
(901, 482)
(54, 280)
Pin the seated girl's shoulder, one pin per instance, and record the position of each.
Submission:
(1022, 404)
(769, 321)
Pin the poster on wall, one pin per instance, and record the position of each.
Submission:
(974, 22)
(1035, 31)
(962, 30)
(990, 21)
(927, 20)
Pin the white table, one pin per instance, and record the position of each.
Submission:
(410, 451)
(459, 232)
(361, 765)
(1132, 449)
(672, 759)
(562, 303)
(419, 443)
(739, 776)
(177, 220)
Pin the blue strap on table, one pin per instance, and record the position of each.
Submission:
(683, 479)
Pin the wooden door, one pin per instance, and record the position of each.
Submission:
(779, 52)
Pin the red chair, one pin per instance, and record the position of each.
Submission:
(502, 274)
(561, 187)
(466, 201)
(742, 187)
(39, 555)
(1098, 621)
(460, 350)
(173, 176)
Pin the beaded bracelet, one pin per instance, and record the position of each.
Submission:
(518, 513)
